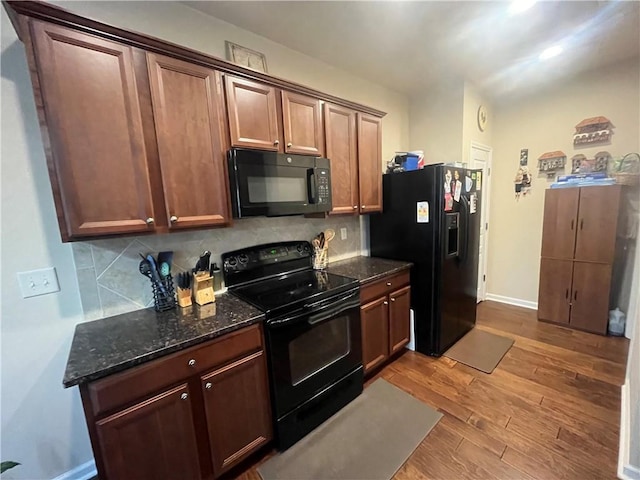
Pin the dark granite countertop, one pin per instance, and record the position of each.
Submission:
(367, 269)
(113, 344)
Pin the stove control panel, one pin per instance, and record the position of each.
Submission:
(262, 259)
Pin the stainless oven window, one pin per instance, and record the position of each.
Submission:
(318, 348)
(277, 189)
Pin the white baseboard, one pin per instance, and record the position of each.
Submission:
(512, 301)
(81, 472)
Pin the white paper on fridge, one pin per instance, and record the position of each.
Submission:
(473, 203)
(422, 209)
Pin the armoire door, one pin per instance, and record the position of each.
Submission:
(597, 222)
(98, 159)
(554, 292)
(559, 224)
(590, 296)
(340, 130)
(253, 114)
(187, 107)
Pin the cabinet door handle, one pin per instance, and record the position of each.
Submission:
(208, 385)
(385, 303)
(572, 224)
(388, 284)
(363, 206)
(393, 299)
(150, 221)
(289, 145)
(173, 219)
(581, 223)
(355, 207)
(575, 294)
(184, 396)
(192, 362)
(276, 142)
(566, 293)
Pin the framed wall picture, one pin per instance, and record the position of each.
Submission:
(246, 57)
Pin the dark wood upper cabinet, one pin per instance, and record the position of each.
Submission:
(596, 223)
(188, 111)
(554, 294)
(302, 123)
(374, 317)
(590, 296)
(370, 163)
(340, 133)
(236, 401)
(133, 440)
(399, 319)
(91, 118)
(253, 114)
(559, 224)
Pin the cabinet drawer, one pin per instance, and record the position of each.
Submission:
(123, 388)
(383, 286)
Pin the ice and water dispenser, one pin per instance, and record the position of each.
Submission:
(452, 236)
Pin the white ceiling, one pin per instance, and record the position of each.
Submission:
(409, 45)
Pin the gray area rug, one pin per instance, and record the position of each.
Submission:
(368, 439)
(480, 350)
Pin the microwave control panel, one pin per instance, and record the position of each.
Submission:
(323, 186)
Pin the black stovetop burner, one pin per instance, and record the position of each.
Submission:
(288, 292)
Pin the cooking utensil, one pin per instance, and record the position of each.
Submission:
(155, 275)
(202, 265)
(164, 261)
(329, 234)
(321, 239)
(145, 267)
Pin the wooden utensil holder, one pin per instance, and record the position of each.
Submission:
(203, 288)
(184, 297)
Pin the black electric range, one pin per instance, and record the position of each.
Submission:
(312, 329)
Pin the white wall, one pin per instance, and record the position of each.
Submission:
(470, 131)
(545, 122)
(42, 424)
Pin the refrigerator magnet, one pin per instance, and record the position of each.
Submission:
(448, 202)
(479, 182)
(422, 209)
(457, 191)
(473, 203)
(468, 184)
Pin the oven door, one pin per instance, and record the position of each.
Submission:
(267, 183)
(313, 348)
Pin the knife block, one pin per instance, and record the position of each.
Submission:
(203, 288)
(184, 297)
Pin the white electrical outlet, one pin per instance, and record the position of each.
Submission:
(343, 233)
(38, 282)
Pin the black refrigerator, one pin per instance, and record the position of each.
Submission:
(431, 217)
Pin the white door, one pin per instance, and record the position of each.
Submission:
(481, 159)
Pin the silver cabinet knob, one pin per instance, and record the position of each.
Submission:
(386, 303)
(150, 221)
(184, 396)
(388, 284)
(276, 142)
(393, 299)
(208, 385)
(355, 207)
(289, 144)
(192, 362)
(173, 219)
(364, 206)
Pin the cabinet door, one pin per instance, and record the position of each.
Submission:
(187, 109)
(302, 121)
(399, 319)
(98, 162)
(253, 115)
(554, 293)
(153, 439)
(597, 222)
(370, 163)
(340, 130)
(559, 224)
(374, 317)
(590, 300)
(236, 401)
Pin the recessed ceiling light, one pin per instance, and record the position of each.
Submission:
(519, 6)
(551, 52)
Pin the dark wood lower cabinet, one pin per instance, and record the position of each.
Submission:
(176, 430)
(152, 439)
(554, 294)
(590, 296)
(385, 317)
(237, 410)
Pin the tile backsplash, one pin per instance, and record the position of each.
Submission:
(107, 269)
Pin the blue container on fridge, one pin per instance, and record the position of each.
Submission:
(410, 163)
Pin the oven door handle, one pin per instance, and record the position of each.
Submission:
(331, 309)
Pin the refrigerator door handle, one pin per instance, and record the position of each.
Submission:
(464, 225)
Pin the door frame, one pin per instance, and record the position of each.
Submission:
(484, 211)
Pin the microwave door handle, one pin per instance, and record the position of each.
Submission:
(311, 185)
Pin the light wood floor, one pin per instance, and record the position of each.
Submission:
(550, 410)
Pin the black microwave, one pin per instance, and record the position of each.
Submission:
(277, 184)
